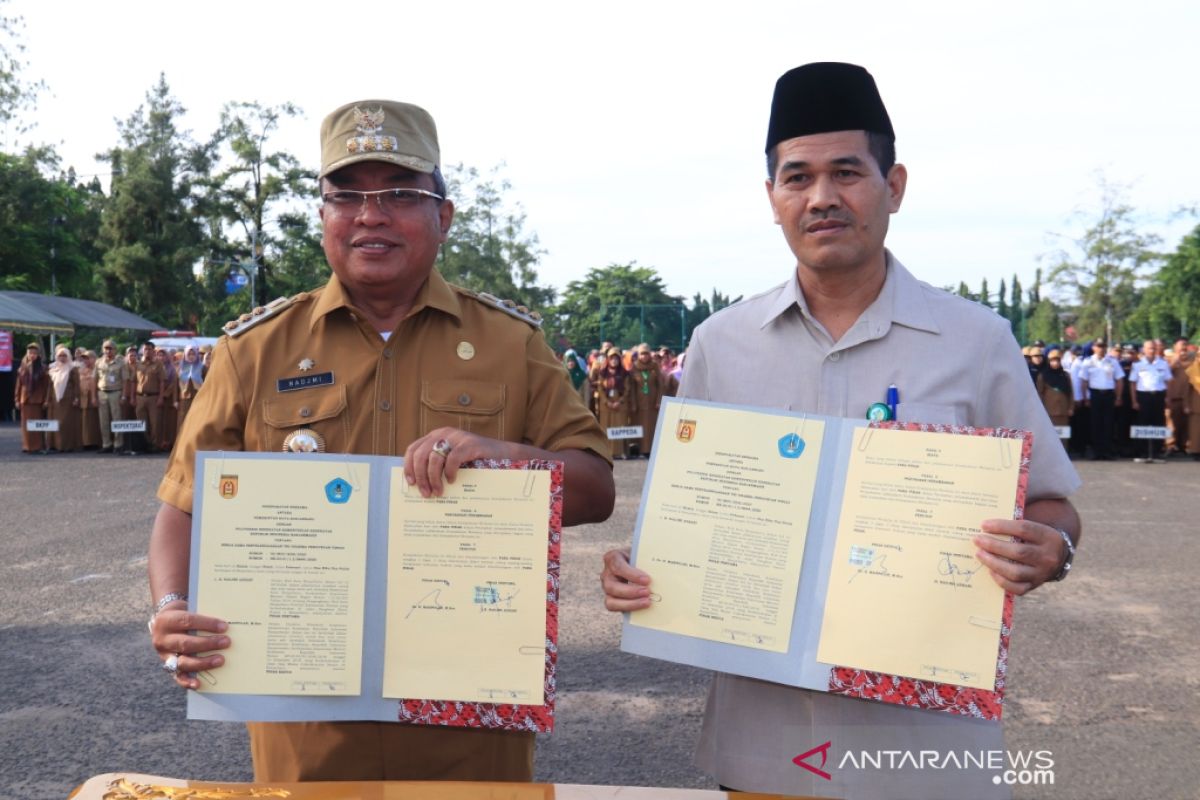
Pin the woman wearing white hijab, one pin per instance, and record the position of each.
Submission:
(191, 378)
(64, 401)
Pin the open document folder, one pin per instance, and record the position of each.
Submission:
(827, 553)
(351, 597)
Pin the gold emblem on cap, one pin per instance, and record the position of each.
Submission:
(466, 351)
(306, 364)
(304, 440)
(369, 123)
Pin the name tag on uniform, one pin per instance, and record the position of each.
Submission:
(304, 382)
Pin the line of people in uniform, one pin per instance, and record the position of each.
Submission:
(1097, 396)
(1100, 392)
(85, 395)
(625, 389)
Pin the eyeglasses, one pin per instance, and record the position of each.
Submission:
(351, 203)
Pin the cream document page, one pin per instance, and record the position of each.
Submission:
(283, 559)
(466, 597)
(906, 594)
(724, 523)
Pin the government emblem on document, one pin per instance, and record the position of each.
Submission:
(228, 486)
(685, 431)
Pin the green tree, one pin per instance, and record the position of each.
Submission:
(299, 262)
(984, 296)
(149, 229)
(1002, 301)
(1044, 323)
(1171, 303)
(1035, 291)
(702, 309)
(16, 94)
(1017, 310)
(251, 182)
(488, 248)
(613, 303)
(48, 226)
(1104, 271)
(299, 257)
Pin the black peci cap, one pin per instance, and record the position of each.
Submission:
(823, 97)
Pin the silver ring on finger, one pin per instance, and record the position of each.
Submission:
(171, 665)
(442, 448)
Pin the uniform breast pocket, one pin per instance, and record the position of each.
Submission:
(475, 406)
(313, 419)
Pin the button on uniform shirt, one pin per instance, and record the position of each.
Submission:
(1101, 373)
(1150, 376)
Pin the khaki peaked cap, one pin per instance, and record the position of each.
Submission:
(379, 130)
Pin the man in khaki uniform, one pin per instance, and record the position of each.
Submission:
(646, 395)
(388, 359)
(110, 389)
(1177, 390)
(151, 379)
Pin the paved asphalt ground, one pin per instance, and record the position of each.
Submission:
(1105, 668)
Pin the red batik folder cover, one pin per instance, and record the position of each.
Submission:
(928, 694)
(509, 716)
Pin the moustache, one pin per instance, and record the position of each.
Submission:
(829, 215)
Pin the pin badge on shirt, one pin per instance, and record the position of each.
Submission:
(306, 364)
(879, 412)
(304, 440)
(465, 350)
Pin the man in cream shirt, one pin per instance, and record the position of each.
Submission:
(849, 321)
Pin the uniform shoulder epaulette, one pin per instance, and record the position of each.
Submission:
(508, 307)
(236, 327)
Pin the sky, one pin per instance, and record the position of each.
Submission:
(633, 131)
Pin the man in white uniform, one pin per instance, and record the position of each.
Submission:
(1150, 375)
(1103, 384)
(848, 322)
